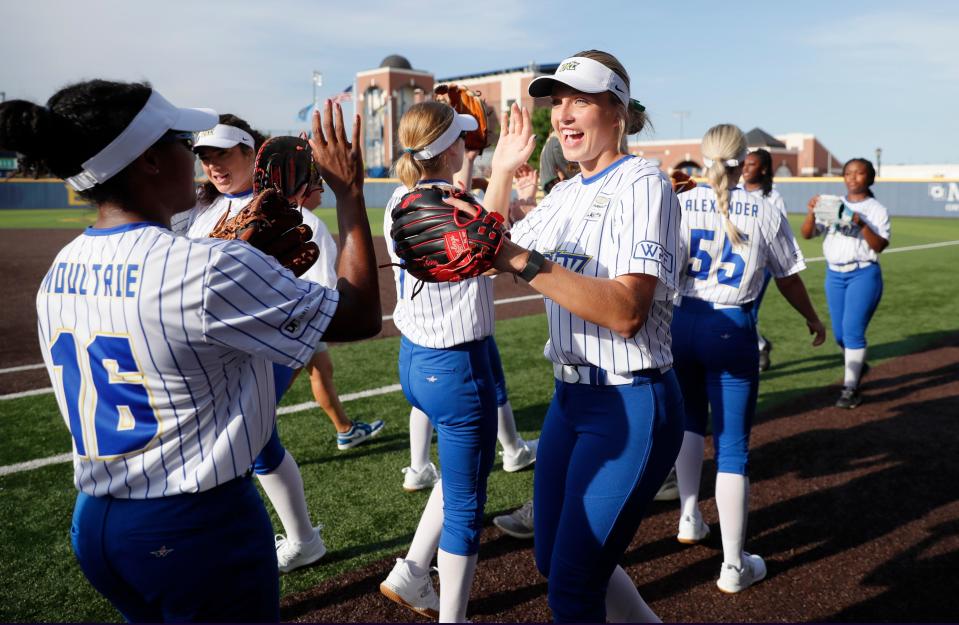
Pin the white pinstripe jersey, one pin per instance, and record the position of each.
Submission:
(160, 348)
(624, 220)
(200, 221)
(845, 245)
(774, 198)
(442, 314)
(716, 271)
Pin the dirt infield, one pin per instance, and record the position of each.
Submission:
(27, 255)
(856, 513)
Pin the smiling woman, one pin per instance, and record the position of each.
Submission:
(601, 248)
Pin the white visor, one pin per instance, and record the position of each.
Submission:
(154, 119)
(461, 123)
(584, 75)
(223, 136)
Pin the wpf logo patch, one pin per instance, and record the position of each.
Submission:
(650, 250)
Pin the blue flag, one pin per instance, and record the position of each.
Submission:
(305, 112)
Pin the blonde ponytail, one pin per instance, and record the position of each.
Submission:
(420, 126)
(720, 144)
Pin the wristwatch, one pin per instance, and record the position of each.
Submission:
(534, 263)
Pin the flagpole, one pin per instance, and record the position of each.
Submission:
(317, 82)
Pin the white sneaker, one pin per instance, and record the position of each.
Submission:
(525, 456)
(292, 555)
(518, 523)
(733, 580)
(418, 480)
(415, 593)
(669, 491)
(692, 530)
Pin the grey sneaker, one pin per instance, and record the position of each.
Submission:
(359, 433)
(669, 491)
(426, 477)
(518, 523)
(522, 458)
(411, 591)
(764, 361)
(733, 580)
(292, 555)
(849, 398)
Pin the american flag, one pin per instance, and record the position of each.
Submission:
(344, 96)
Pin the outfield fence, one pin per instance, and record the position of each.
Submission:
(935, 197)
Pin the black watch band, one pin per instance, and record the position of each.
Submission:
(533, 265)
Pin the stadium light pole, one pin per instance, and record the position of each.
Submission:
(682, 115)
(317, 82)
(878, 162)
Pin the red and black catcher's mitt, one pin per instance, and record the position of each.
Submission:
(270, 224)
(284, 164)
(440, 243)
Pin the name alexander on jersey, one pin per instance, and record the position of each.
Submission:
(705, 205)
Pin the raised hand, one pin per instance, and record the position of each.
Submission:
(339, 160)
(516, 140)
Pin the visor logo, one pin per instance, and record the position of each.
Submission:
(568, 66)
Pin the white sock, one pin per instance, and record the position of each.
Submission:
(421, 436)
(854, 360)
(284, 488)
(427, 536)
(456, 578)
(732, 501)
(506, 432)
(624, 604)
(689, 469)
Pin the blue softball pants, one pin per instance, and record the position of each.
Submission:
(205, 556)
(852, 297)
(272, 454)
(455, 388)
(499, 377)
(717, 363)
(603, 453)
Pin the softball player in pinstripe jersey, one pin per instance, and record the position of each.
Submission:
(603, 248)
(446, 370)
(227, 153)
(160, 348)
(758, 179)
(731, 237)
(853, 277)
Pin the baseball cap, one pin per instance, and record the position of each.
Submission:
(582, 74)
(460, 123)
(156, 117)
(223, 136)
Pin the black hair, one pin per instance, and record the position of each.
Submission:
(77, 122)
(870, 171)
(208, 192)
(765, 170)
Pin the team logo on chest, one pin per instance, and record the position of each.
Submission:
(598, 208)
(569, 260)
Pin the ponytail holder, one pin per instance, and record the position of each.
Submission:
(732, 162)
(636, 104)
(408, 150)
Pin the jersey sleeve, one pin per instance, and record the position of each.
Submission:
(784, 257)
(323, 270)
(253, 304)
(878, 219)
(645, 231)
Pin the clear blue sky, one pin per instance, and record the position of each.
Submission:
(859, 75)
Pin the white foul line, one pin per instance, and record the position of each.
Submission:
(499, 302)
(60, 458)
(22, 368)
